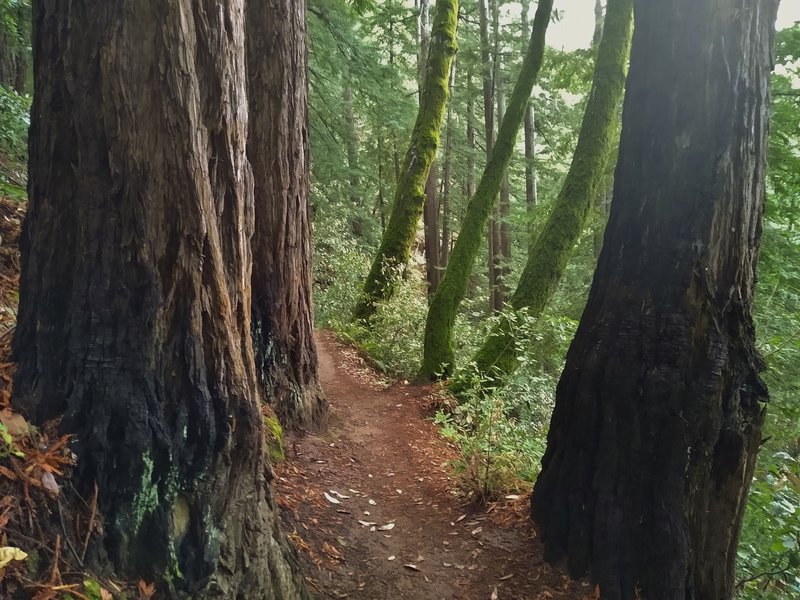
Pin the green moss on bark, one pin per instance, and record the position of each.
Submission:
(395, 248)
(549, 253)
(439, 353)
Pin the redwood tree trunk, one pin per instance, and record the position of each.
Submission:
(282, 320)
(134, 322)
(658, 412)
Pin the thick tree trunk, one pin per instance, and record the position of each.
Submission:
(277, 146)
(658, 412)
(395, 248)
(469, 187)
(549, 252)
(439, 352)
(134, 322)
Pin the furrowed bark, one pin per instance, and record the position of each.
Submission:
(134, 322)
(550, 251)
(439, 353)
(658, 412)
(277, 147)
(395, 247)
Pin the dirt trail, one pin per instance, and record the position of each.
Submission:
(391, 470)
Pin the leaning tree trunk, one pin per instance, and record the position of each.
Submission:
(529, 132)
(439, 354)
(282, 318)
(550, 251)
(658, 412)
(395, 248)
(134, 322)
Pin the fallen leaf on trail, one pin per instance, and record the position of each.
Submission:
(367, 523)
(386, 527)
(331, 551)
(476, 531)
(461, 518)
(391, 557)
(331, 499)
(494, 595)
(49, 483)
(146, 590)
(15, 423)
(9, 553)
(372, 502)
(512, 497)
(447, 564)
(411, 566)
(338, 495)
(399, 491)
(504, 577)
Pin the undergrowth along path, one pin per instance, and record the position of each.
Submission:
(375, 513)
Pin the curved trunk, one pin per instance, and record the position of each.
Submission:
(134, 322)
(549, 252)
(439, 354)
(658, 412)
(395, 248)
(282, 317)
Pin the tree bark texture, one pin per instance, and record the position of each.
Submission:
(277, 147)
(134, 322)
(395, 247)
(549, 252)
(430, 218)
(504, 214)
(658, 412)
(439, 354)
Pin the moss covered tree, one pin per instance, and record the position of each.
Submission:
(134, 321)
(551, 249)
(658, 412)
(439, 353)
(395, 247)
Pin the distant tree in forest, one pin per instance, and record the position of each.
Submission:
(439, 355)
(658, 412)
(395, 247)
(550, 250)
(135, 312)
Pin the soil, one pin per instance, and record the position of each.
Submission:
(376, 513)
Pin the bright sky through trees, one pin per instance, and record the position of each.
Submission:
(574, 29)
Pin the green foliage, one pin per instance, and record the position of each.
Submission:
(14, 121)
(7, 445)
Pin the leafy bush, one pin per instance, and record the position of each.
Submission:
(14, 121)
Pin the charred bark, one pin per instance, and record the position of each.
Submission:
(658, 412)
(134, 322)
(277, 146)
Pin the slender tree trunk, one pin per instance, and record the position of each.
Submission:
(550, 251)
(444, 251)
(431, 228)
(282, 319)
(470, 183)
(504, 214)
(598, 23)
(530, 131)
(134, 322)
(658, 412)
(439, 352)
(352, 147)
(395, 248)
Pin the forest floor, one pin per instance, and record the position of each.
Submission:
(373, 508)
